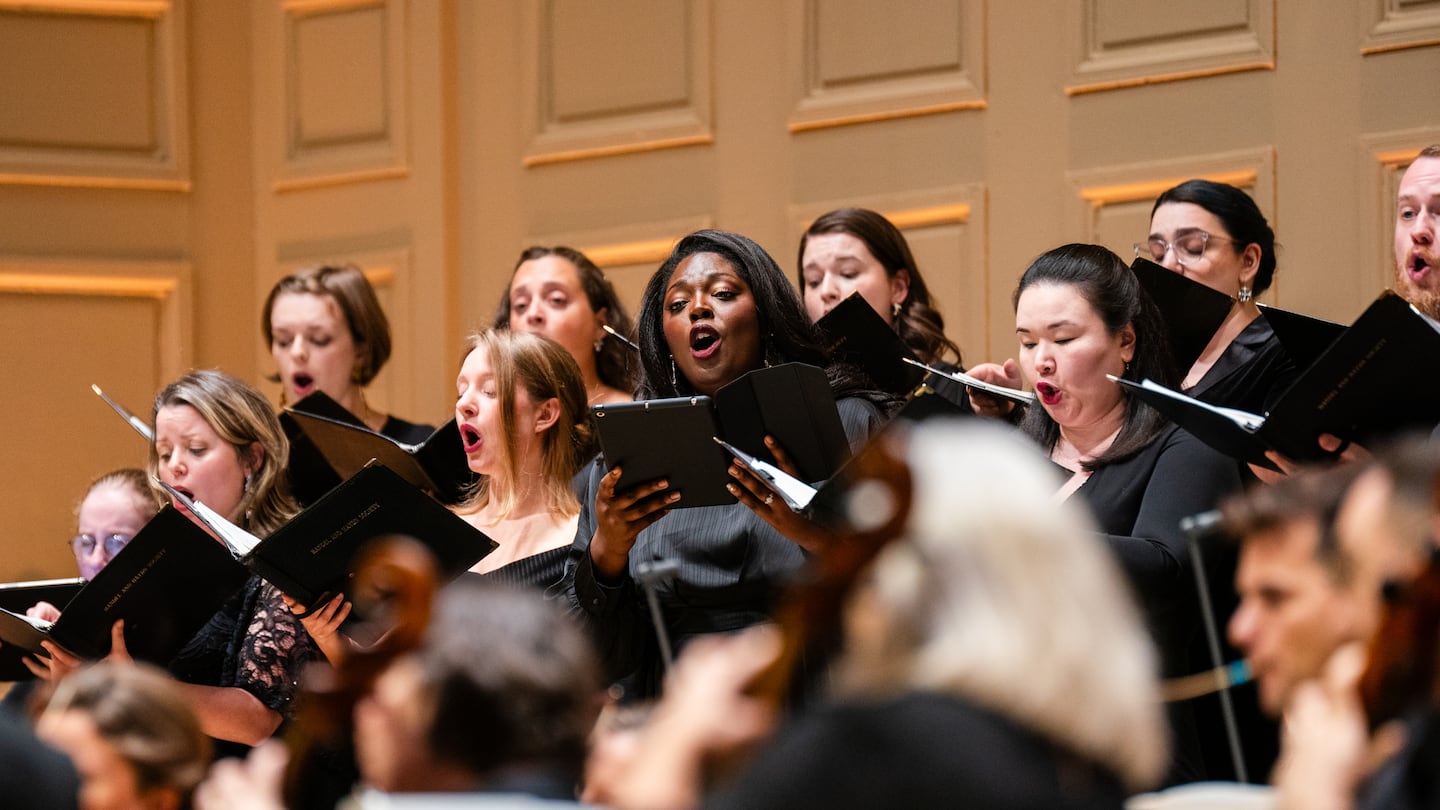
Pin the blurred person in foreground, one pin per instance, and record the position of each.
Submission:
(992, 658)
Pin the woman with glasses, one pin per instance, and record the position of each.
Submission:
(1215, 234)
(115, 507)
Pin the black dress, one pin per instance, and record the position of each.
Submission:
(1252, 372)
(731, 566)
(1138, 503)
(253, 643)
(918, 750)
(544, 570)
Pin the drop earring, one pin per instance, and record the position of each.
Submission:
(1245, 293)
(599, 344)
(673, 383)
(895, 310)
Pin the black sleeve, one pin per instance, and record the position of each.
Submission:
(1189, 477)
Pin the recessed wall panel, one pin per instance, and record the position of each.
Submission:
(1123, 43)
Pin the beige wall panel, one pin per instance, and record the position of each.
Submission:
(609, 78)
(1396, 24)
(843, 78)
(1111, 206)
(1122, 43)
(95, 95)
(121, 325)
(344, 90)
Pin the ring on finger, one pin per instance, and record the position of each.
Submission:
(770, 499)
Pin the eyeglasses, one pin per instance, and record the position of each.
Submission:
(84, 544)
(1188, 247)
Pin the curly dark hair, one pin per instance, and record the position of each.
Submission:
(614, 361)
(919, 323)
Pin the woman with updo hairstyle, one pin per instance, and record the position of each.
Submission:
(1215, 234)
(526, 431)
(1082, 317)
(132, 736)
(327, 332)
(558, 293)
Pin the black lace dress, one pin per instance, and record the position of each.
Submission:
(253, 643)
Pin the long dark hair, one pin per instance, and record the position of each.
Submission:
(614, 361)
(1240, 216)
(918, 322)
(1112, 290)
(786, 334)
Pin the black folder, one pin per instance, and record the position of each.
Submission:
(16, 598)
(309, 558)
(1190, 311)
(166, 584)
(437, 464)
(673, 438)
(1380, 378)
(1304, 337)
(172, 577)
(856, 334)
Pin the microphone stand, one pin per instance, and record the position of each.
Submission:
(650, 574)
(1196, 529)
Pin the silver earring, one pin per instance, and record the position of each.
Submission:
(673, 383)
(599, 344)
(1245, 293)
(247, 482)
(895, 310)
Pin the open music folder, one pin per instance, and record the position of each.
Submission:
(173, 575)
(1377, 379)
(856, 334)
(1190, 311)
(674, 438)
(345, 446)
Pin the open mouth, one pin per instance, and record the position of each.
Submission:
(303, 383)
(1049, 394)
(704, 341)
(1418, 266)
(470, 438)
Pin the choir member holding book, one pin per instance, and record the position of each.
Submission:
(521, 410)
(327, 333)
(1215, 234)
(217, 441)
(718, 307)
(558, 293)
(1080, 315)
(856, 250)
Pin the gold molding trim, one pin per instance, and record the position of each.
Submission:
(888, 115)
(339, 179)
(1371, 50)
(621, 254)
(304, 7)
(955, 214)
(655, 145)
(1150, 189)
(94, 181)
(100, 8)
(1163, 78)
(118, 286)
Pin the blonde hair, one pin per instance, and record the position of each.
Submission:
(131, 480)
(241, 417)
(139, 710)
(1002, 596)
(547, 371)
